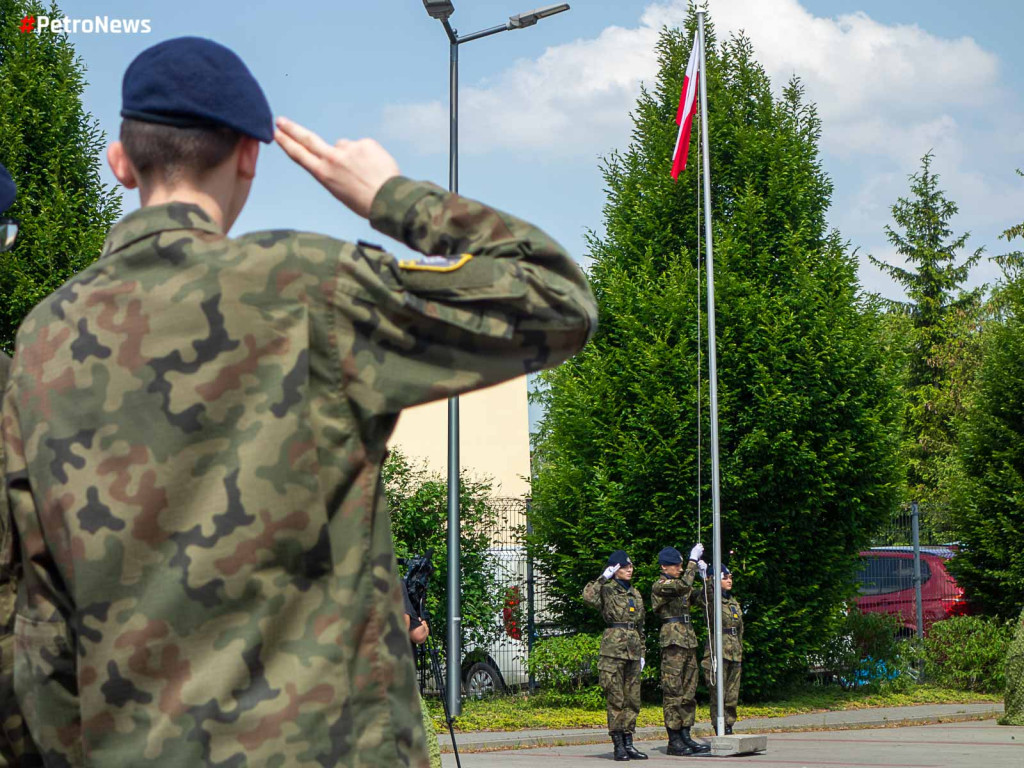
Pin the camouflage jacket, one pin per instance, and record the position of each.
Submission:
(195, 429)
(732, 625)
(8, 705)
(618, 605)
(672, 598)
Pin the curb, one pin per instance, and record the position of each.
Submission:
(599, 736)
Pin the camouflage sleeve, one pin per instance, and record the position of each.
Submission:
(681, 587)
(592, 593)
(641, 625)
(689, 573)
(6, 552)
(701, 598)
(493, 298)
(45, 665)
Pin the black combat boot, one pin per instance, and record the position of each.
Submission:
(676, 745)
(696, 747)
(633, 752)
(728, 730)
(620, 748)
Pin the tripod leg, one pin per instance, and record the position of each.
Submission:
(435, 666)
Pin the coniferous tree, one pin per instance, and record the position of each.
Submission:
(52, 148)
(989, 489)
(941, 322)
(806, 392)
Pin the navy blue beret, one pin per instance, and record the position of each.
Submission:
(669, 556)
(7, 190)
(191, 82)
(619, 557)
(725, 570)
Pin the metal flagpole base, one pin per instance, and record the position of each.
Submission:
(736, 745)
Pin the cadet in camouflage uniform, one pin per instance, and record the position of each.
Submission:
(622, 649)
(195, 428)
(731, 667)
(16, 747)
(1013, 713)
(671, 597)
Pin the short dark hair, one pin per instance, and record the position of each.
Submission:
(173, 152)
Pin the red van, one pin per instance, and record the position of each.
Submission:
(886, 578)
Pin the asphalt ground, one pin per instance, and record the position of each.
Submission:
(973, 744)
(871, 717)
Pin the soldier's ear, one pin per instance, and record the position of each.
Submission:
(248, 154)
(121, 165)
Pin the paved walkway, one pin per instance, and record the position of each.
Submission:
(969, 744)
(879, 717)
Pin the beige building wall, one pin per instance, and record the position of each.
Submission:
(494, 426)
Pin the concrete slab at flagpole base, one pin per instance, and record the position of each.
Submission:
(738, 744)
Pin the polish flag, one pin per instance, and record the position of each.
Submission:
(687, 109)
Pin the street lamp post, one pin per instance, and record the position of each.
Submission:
(442, 10)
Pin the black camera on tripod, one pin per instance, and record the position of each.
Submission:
(419, 569)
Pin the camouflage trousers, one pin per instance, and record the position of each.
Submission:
(729, 671)
(679, 686)
(433, 748)
(620, 681)
(1014, 713)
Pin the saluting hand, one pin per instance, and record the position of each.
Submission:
(610, 571)
(352, 171)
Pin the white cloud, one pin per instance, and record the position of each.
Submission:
(574, 99)
(880, 89)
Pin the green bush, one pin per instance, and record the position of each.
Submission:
(566, 665)
(863, 650)
(417, 500)
(969, 653)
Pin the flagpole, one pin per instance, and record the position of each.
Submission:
(713, 382)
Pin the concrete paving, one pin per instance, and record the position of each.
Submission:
(967, 744)
(854, 718)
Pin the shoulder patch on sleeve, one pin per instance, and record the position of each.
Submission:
(435, 263)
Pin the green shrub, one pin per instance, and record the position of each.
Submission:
(863, 650)
(969, 653)
(566, 665)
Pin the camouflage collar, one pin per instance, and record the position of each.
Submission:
(158, 218)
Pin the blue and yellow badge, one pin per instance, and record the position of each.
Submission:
(435, 263)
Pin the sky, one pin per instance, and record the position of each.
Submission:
(541, 106)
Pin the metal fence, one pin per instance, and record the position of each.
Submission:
(501, 664)
(905, 573)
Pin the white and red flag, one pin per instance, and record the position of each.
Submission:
(687, 109)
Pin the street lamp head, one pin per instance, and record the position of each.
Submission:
(439, 9)
(530, 18)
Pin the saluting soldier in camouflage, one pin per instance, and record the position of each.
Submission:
(622, 649)
(671, 597)
(730, 667)
(196, 425)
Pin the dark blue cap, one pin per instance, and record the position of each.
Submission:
(192, 82)
(669, 556)
(7, 190)
(619, 557)
(725, 570)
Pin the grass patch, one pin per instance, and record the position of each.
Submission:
(522, 712)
